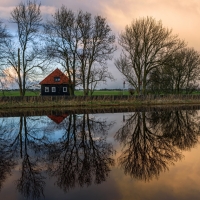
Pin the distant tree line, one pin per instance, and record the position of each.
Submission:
(153, 60)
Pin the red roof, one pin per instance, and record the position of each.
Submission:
(50, 79)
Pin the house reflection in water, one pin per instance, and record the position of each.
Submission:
(57, 118)
(118, 152)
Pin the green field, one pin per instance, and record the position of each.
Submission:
(77, 93)
(16, 93)
(103, 92)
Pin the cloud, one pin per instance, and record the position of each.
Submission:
(5, 12)
(48, 10)
(182, 16)
(8, 79)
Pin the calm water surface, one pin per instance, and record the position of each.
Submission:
(113, 156)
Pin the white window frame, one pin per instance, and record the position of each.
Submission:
(53, 89)
(64, 89)
(46, 89)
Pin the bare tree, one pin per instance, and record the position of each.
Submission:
(26, 57)
(97, 46)
(82, 45)
(146, 44)
(4, 36)
(178, 74)
(98, 74)
(62, 40)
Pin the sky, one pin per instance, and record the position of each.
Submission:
(182, 16)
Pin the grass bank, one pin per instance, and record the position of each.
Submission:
(95, 101)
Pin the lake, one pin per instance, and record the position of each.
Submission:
(143, 153)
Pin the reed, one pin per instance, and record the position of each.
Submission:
(94, 101)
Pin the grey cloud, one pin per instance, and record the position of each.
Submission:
(180, 15)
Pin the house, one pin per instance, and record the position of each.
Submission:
(56, 83)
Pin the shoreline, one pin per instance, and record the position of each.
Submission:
(100, 110)
(6, 107)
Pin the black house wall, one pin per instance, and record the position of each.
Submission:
(59, 90)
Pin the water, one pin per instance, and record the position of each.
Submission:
(116, 156)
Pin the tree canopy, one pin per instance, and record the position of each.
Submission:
(81, 44)
(146, 45)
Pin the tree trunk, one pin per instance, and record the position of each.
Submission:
(19, 74)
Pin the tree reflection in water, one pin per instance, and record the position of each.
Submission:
(7, 162)
(152, 141)
(82, 155)
(181, 127)
(31, 183)
(78, 157)
(21, 143)
(25, 145)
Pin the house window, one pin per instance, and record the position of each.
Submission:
(64, 89)
(46, 89)
(57, 79)
(53, 89)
